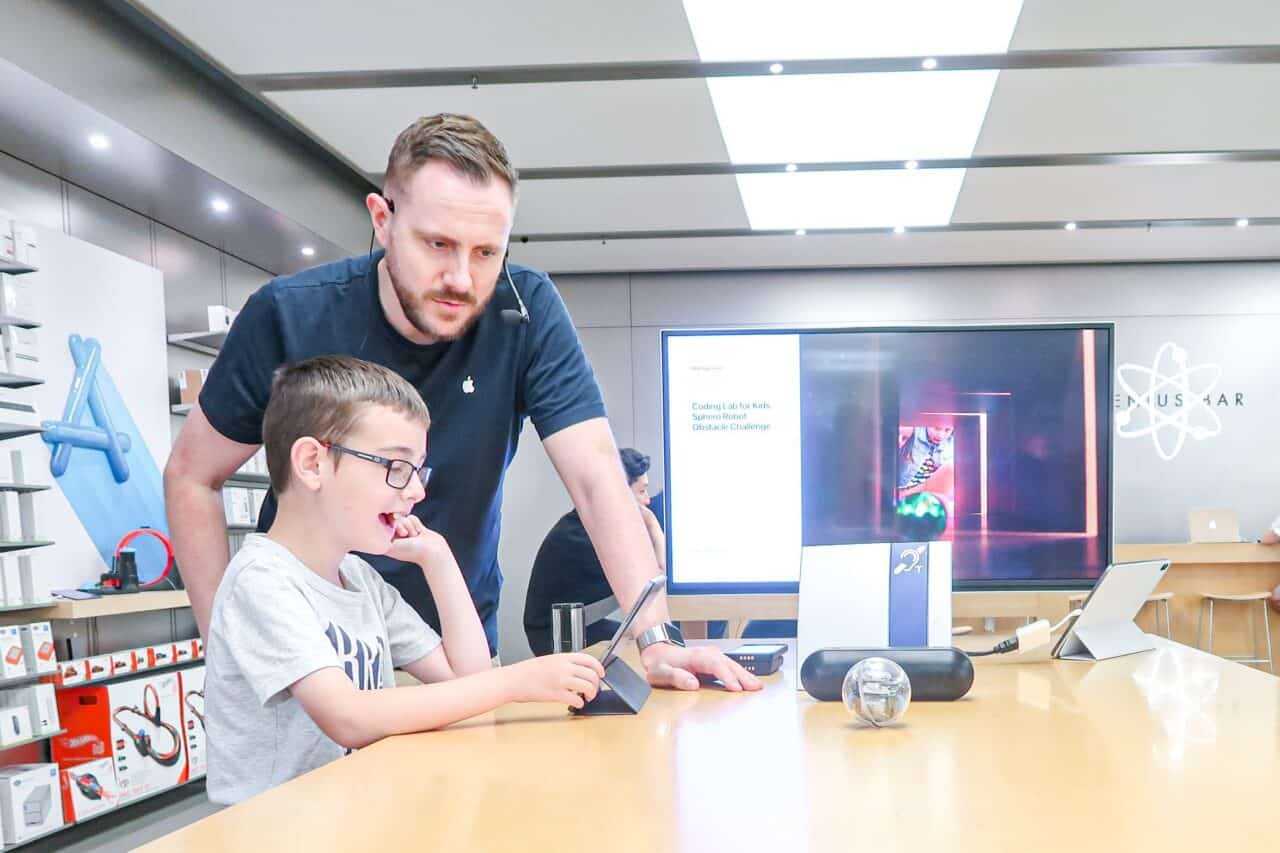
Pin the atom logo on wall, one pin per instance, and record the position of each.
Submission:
(1148, 391)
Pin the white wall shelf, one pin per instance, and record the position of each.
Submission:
(21, 545)
(181, 409)
(11, 430)
(23, 488)
(18, 322)
(14, 380)
(252, 481)
(12, 267)
(32, 740)
(208, 343)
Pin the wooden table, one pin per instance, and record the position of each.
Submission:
(1168, 750)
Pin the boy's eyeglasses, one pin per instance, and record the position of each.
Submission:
(399, 471)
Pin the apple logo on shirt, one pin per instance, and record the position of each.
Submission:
(468, 386)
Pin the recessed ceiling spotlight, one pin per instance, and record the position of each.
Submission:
(800, 232)
(929, 64)
(99, 141)
(775, 68)
(1242, 223)
(1070, 226)
(791, 167)
(911, 164)
(899, 229)
(307, 251)
(220, 205)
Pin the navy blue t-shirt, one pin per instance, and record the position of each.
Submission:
(479, 389)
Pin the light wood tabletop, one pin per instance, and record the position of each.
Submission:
(1167, 750)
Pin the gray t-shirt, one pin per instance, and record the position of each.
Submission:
(275, 621)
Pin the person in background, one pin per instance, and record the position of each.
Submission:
(568, 569)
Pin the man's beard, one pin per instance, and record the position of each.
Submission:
(415, 308)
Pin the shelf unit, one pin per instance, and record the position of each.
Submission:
(24, 488)
(22, 545)
(14, 380)
(12, 267)
(112, 810)
(34, 605)
(32, 740)
(94, 682)
(181, 409)
(18, 322)
(206, 343)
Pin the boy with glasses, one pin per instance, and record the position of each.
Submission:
(304, 634)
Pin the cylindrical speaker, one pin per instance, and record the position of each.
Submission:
(937, 675)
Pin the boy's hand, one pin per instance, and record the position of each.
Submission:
(570, 679)
(415, 543)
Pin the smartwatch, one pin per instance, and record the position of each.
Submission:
(663, 632)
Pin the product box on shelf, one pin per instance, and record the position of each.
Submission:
(193, 721)
(137, 723)
(182, 652)
(89, 789)
(26, 244)
(141, 659)
(30, 802)
(161, 655)
(8, 247)
(41, 702)
(190, 381)
(197, 646)
(15, 721)
(28, 579)
(220, 317)
(123, 662)
(10, 519)
(13, 662)
(11, 578)
(37, 644)
(98, 667)
(71, 672)
(22, 351)
(18, 295)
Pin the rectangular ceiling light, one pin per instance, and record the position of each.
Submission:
(823, 118)
(740, 30)
(815, 200)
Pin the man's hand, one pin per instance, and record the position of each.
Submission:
(668, 665)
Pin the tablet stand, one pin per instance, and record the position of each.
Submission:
(626, 693)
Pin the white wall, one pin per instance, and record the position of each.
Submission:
(1222, 313)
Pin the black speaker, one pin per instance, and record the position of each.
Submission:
(937, 675)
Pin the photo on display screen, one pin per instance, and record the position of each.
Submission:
(995, 439)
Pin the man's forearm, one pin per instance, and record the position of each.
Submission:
(626, 552)
(198, 527)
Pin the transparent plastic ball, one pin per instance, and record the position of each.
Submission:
(877, 691)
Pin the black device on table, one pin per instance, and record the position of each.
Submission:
(759, 658)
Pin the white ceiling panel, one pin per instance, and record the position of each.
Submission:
(1221, 191)
(948, 248)
(554, 124)
(630, 204)
(283, 36)
(1080, 24)
(1133, 109)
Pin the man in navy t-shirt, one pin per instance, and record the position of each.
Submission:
(426, 308)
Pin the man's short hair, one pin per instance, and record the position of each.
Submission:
(635, 463)
(461, 141)
(324, 398)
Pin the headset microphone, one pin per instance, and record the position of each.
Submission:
(511, 316)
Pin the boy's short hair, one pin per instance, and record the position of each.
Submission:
(324, 398)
